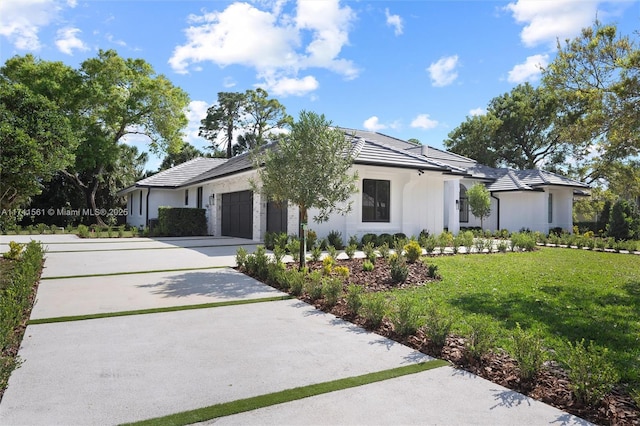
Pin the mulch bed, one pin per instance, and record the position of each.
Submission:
(551, 386)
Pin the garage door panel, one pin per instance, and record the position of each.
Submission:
(237, 214)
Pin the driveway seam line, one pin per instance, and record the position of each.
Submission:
(152, 271)
(71, 318)
(287, 395)
(147, 248)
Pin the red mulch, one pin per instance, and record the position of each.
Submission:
(551, 386)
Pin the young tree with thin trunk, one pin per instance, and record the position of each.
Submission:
(310, 168)
(479, 202)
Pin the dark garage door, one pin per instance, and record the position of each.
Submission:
(237, 214)
(276, 217)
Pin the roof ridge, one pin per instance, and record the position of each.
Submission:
(409, 154)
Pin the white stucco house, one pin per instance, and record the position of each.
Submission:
(402, 188)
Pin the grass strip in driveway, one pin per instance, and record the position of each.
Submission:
(60, 277)
(261, 401)
(155, 310)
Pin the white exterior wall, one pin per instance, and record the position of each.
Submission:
(134, 216)
(562, 208)
(416, 203)
(523, 210)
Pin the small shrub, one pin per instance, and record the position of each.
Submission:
(528, 352)
(281, 240)
(275, 274)
(15, 251)
(400, 236)
(331, 290)
(69, 229)
(294, 281)
(480, 338)
(369, 252)
(313, 285)
(261, 262)
(293, 247)
(241, 258)
(445, 239)
(350, 250)
(406, 316)
(333, 252)
(412, 251)
(278, 254)
(437, 327)
(368, 239)
(480, 244)
(327, 265)
(41, 227)
(433, 271)
(591, 375)
(430, 243)
(342, 272)
(335, 239)
(502, 246)
(29, 229)
(367, 266)
(384, 239)
(120, 231)
(316, 253)
(353, 240)
(109, 232)
(53, 229)
(373, 309)
(270, 240)
(399, 269)
(384, 251)
(354, 298)
(83, 231)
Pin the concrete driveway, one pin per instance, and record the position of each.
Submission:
(136, 366)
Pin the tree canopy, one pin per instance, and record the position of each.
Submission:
(295, 159)
(36, 140)
(519, 130)
(251, 116)
(107, 100)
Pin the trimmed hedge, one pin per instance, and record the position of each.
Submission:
(181, 221)
(16, 297)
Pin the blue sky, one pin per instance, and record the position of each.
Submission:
(409, 69)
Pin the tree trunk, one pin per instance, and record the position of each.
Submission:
(302, 220)
(91, 200)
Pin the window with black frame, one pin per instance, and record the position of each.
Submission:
(376, 199)
(464, 205)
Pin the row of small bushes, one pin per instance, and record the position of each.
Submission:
(591, 374)
(432, 244)
(21, 271)
(588, 241)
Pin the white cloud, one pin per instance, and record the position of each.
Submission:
(477, 111)
(67, 40)
(271, 41)
(196, 111)
(423, 121)
(530, 70)
(286, 86)
(443, 71)
(21, 20)
(394, 21)
(373, 124)
(546, 21)
(229, 82)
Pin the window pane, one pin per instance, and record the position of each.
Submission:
(376, 200)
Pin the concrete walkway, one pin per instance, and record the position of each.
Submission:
(128, 368)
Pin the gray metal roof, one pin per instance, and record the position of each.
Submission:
(380, 154)
(182, 173)
(376, 149)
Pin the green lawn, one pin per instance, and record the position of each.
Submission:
(566, 294)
